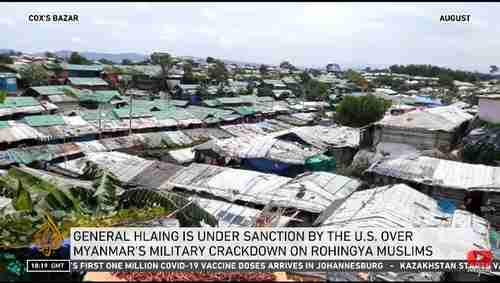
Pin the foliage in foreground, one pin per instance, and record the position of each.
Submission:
(104, 203)
(361, 110)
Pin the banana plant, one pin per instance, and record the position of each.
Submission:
(104, 202)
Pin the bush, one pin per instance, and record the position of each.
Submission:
(361, 111)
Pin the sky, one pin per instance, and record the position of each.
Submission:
(305, 34)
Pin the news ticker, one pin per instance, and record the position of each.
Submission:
(257, 266)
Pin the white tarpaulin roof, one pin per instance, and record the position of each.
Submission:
(439, 172)
(262, 189)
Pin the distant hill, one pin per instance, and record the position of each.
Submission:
(4, 51)
(115, 57)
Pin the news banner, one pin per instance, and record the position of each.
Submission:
(269, 250)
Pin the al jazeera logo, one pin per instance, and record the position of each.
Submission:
(48, 238)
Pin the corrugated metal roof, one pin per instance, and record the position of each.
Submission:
(263, 147)
(4, 124)
(184, 155)
(99, 96)
(19, 101)
(253, 187)
(44, 120)
(124, 166)
(18, 132)
(244, 130)
(394, 206)
(325, 137)
(445, 118)
(53, 89)
(87, 81)
(439, 172)
(74, 67)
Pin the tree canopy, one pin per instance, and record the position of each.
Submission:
(218, 72)
(106, 61)
(188, 77)
(434, 71)
(263, 70)
(210, 60)
(34, 74)
(77, 59)
(493, 69)
(3, 95)
(127, 62)
(359, 111)
(5, 59)
(287, 65)
(316, 90)
(166, 62)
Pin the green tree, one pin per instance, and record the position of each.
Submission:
(188, 76)
(127, 62)
(34, 74)
(106, 61)
(49, 54)
(446, 81)
(263, 70)
(218, 72)
(357, 78)
(166, 62)
(77, 59)
(264, 90)
(210, 60)
(287, 65)
(5, 59)
(359, 111)
(316, 90)
(493, 69)
(3, 95)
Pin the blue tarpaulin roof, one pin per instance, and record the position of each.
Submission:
(427, 100)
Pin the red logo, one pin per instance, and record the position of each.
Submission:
(480, 258)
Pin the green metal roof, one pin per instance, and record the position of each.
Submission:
(44, 120)
(98, 96)
(74, 67)
(87, 81)
(123, 113)
(20, 101)
(232, 100)
(203, 112)
(173, 113)
(211, 102)
(4, 124)
(53, 89)
(93, 115)
(244, 110)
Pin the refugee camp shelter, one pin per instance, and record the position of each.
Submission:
(489, 108)
(262, 153)
(82, 71)
(88, 83)
(308, 192)
(342, 143)
(440, 127)
(18, 106)
(232, 215)
(64, 97)
(400, 206)
(444, 179)
(8, 83)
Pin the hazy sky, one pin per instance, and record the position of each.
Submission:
(306, 34)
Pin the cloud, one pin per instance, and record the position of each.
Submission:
(309, 34)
